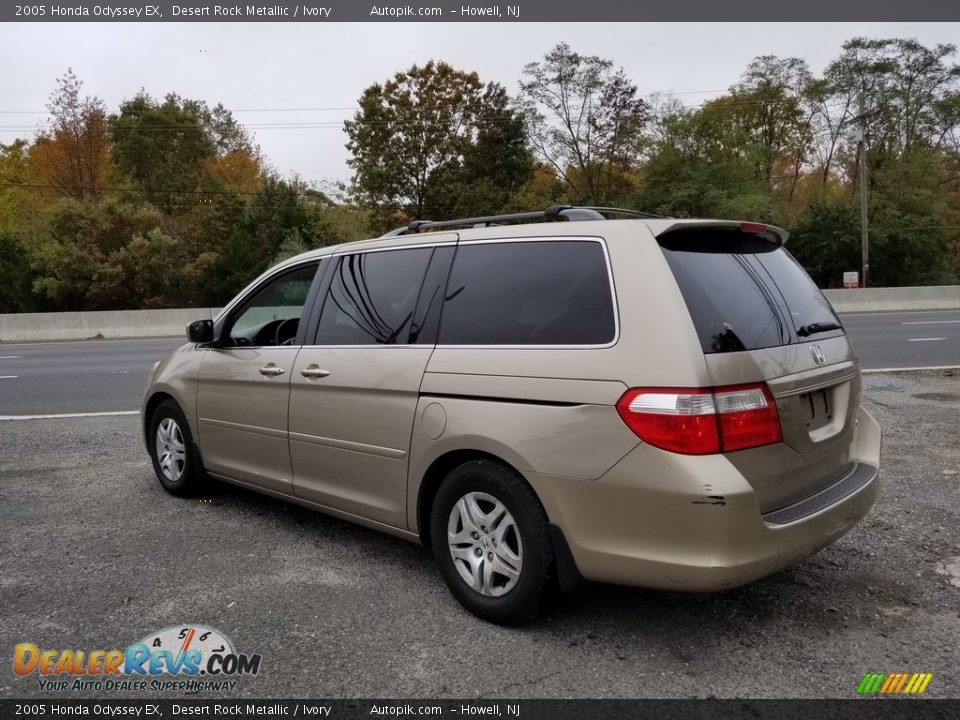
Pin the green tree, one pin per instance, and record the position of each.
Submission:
(826, 242)
(73, 265)
(414, 134)
(331, 223)
(171, 149)
(19, 201)
(16, 276)
(275, 221)
(147, 272)
(162, 147)
(702, 163)
(768, 103)
(498, 165)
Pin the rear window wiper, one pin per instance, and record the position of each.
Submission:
(818, 327)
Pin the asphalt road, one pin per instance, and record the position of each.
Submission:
(76, 377)
(107, 375)
(95, 555)
(903, 340)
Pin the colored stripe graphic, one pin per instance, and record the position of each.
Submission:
(889, 683)
(870, 683)
(894, 683)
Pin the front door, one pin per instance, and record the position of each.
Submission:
(245, 384)
(354, 391)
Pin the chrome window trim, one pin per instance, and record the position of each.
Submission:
(418, 246)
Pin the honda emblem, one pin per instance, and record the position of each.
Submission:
(817, 353)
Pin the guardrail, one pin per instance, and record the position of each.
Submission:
(119, 324)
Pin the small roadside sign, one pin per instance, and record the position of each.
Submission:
(851, 279)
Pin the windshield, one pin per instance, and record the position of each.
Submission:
(745, 293)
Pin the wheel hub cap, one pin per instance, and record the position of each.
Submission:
(485, 545)
(170, 449)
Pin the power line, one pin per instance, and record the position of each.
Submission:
(164, 191)
(352, 108)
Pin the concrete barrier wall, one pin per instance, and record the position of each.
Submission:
(935, 297)
(36, 327)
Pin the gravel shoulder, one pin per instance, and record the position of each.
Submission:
(95, 555)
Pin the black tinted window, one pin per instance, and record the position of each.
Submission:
(745, 293)
(372, 297)
(528, 293)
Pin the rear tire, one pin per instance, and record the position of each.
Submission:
(172, 452)
(491, 542)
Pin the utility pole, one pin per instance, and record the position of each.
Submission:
(862, 152)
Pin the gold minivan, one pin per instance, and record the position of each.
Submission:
(540, 398)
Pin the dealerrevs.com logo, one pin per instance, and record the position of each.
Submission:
(183, 658)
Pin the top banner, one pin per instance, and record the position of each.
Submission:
(460, 11)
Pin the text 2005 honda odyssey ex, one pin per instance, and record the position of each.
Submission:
(646, 401)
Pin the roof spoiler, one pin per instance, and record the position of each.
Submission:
(770, 233)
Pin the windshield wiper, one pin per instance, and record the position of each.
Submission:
(818, 327)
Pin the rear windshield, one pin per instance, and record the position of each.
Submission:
(745, 293)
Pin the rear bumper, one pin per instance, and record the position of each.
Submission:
(695, 524)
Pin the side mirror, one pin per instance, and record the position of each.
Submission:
(200, 331)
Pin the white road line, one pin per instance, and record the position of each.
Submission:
(9, 377)
(889, 313)
(929, 322)
(9, 357)
(875, 371)
(170, 338)
(925, 339)
(68, 415)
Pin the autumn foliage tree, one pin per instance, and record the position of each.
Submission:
(70, 157)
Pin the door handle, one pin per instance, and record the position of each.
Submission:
(314, 372)
(271, 370)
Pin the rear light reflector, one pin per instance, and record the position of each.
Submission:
(748, 417)
(698, 421)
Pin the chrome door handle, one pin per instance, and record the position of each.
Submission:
(314, 372)
(271, 370)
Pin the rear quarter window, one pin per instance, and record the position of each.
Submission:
(745, 293)
(541, 292)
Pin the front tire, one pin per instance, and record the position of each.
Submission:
(172, 451)
(491, 541)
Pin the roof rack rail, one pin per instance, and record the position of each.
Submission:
(625, 211)
(569, 212)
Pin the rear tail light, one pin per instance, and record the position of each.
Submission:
(702, 421)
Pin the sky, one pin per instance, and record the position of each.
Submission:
(277, 74)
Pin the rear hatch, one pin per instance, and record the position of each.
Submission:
(760, 318)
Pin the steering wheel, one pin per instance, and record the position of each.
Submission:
(277, 334)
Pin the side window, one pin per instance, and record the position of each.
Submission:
(529, 293)
(372, 298)
(272, 315)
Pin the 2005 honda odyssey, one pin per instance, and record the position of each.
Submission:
(646, 401)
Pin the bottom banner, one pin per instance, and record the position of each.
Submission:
(861, 709)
